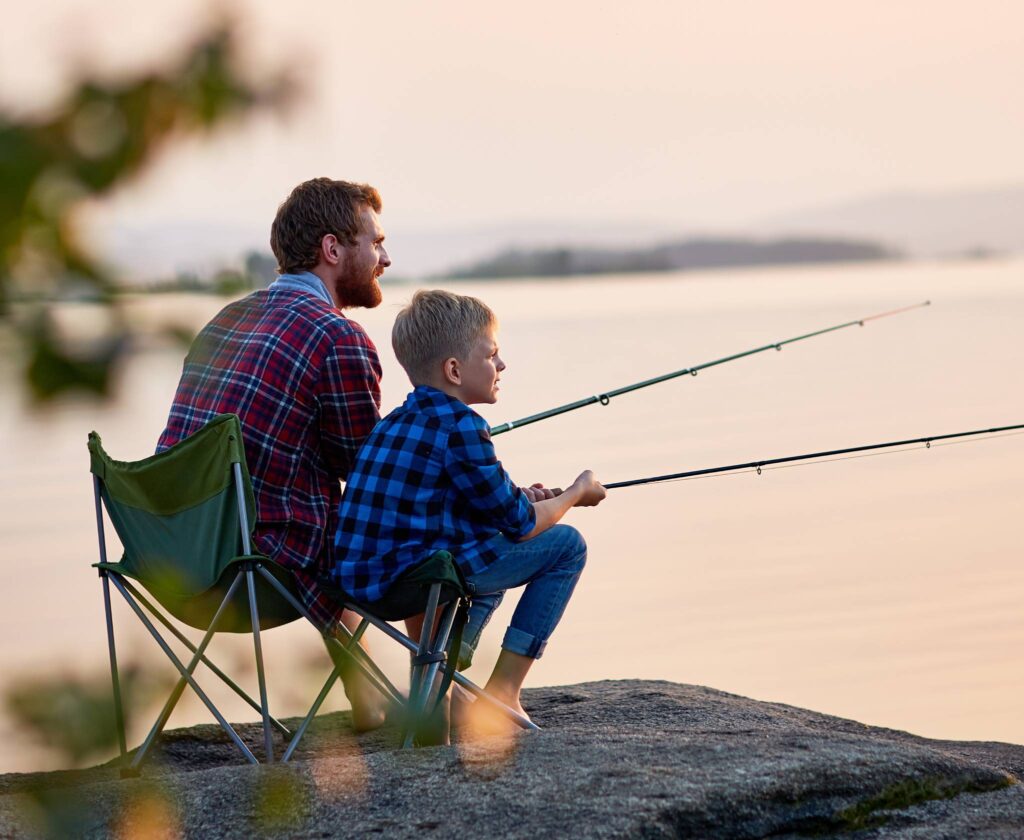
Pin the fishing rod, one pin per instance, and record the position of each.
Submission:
(606, 397)
(759, 465)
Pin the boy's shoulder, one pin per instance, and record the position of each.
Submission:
(435, 408)
(431, 419)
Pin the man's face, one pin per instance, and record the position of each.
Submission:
(481, 371)
(363, 262)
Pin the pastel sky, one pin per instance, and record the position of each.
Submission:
(466, 113)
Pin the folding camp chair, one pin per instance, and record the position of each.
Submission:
(426, 588)
(184, 518)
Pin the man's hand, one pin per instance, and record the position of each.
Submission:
(538, 492)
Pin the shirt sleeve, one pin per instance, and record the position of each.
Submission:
(482, 482)
(348, 394)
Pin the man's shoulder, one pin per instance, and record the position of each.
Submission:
(280, 313)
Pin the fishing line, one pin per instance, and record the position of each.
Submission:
(869, 454)
(849, 453)
(607, 396)
(750, 470)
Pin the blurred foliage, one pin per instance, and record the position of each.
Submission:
(257, 272)
(281, 799)
(102, 135)
(146, 812)
(58, 812)
(74, 716)
(143, 809)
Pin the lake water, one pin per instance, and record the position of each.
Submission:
(884, 589)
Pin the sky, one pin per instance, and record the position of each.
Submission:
(465, 115)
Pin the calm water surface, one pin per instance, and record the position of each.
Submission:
(884, 589)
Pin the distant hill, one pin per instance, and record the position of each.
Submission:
(920, 223)
(672, 256)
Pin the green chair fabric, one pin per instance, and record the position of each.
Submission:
(407, 596)
(177, 516)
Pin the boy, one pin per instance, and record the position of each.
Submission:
(427, 479)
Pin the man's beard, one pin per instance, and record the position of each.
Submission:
(360, 292)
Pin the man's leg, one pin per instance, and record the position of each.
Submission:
(369, 706)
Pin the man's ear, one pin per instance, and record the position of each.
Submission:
(331, 250)
(450, 369)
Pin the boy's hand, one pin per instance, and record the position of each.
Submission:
(538, 492)
(590, 490)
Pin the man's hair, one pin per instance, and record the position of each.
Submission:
(437, 325)
(313, 210)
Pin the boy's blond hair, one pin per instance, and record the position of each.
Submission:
(437, 325)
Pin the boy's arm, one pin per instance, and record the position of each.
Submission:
(482, 483)
(585, 491)
(538, 492)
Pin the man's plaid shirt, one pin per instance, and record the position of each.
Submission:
(426, 479)
(305, 382)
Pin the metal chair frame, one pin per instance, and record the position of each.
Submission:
(428, 654)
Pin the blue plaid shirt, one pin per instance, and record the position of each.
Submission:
(426, 479)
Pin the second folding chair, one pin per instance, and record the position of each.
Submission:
(184, 518)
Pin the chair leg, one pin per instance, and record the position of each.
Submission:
(383, 685)
(365, 664)
(438, 646)
(268, 744)
(308, 719)
(186, 676)
(118, 709)
(418, 687)
(461, 679)
(209, 663)
(376, 677)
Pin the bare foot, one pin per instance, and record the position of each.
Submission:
(366, 720)
(369, 706)
(435, 729)
(481, 719)
(510, 697)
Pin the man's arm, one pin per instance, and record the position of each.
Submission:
(348, 394)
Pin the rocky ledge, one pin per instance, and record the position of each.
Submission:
(614, 759)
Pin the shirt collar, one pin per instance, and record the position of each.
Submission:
(428, 398)
(303, 281)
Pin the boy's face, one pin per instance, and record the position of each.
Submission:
(481, 371)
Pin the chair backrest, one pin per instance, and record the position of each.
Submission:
(177, 514)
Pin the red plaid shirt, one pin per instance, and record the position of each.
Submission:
(305, 382)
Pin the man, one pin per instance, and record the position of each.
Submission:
(305, 382)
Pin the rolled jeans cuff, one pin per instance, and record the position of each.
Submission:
(516, 641)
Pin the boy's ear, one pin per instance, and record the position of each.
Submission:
(451, 372)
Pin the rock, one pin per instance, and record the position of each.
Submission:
(614, 759)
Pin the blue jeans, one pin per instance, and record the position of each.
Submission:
(549, 566)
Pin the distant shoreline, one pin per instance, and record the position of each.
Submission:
(682, 255)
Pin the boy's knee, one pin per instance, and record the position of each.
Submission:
(574, 552)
